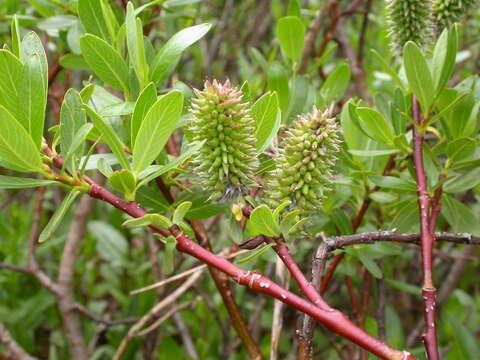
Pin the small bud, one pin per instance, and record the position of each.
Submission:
(306, 188)
(227, 128)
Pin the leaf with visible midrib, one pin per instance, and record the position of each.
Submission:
(58, 216)
(33, 99)
(105, 61)
(13, 182)
(109, 136)
(16, 145)
(158, 125)
(144, 102)
(265, 112)
(9, 80)
(91, 16)
(418, 75)
(170, 53)
(262, 222)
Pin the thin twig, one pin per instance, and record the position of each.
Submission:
(12, 346)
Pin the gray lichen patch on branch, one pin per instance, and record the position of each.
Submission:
(304, 162)
(226, 163)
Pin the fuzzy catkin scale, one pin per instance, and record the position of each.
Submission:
(409, 20)
(304, 161)
(225, 164)
(448, 12)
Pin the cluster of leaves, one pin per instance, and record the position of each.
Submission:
(134, 103)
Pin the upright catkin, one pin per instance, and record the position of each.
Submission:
(304, 162)
(409, 20)
(225, 164)
(448, 12)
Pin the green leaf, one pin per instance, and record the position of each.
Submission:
(181, 211)
(460, 217)
(267, 118)
(262, 222)
(387, 68)
(91, 16)
(111, 245)
(298, 98)
(168, 257)
(150, 198)
(280, 208)
(10, 78)
(120, 109)
(460, 149)
(391, 182)
(405, 287)
(136, 50)
(373, 153)
(15, 31)
(204, 209)
(16, 145)
(336, 84)
(156, 128)
(32, 45)
(105, 62)
(72, 118)
(277, 79)
(147, 220)
(369, 264)
(13, 182)
(377, 127)
(144, 102)
(155, 171)
(104, 167)
(418, 75)
(255, 254)
(75, 151)
(109, 136)
(169, 55)
(444, 54)
(33, 90)
(74, 62)
(463, 338)
(288, 222)
(463, 182)
(58, 216)
(291, 33)
(293, 8)
(125, 182)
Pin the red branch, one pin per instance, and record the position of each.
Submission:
(426, 237)
(331, 318)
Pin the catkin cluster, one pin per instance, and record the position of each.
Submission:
(226, 162)
(304, 162)
(448, 12)
(409, 20)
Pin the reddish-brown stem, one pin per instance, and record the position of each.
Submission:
(426, 236)
(305, 286)
(436, 205)
(332, 319)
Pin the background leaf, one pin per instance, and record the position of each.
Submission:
(166, 60)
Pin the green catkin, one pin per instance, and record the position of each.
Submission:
(409, 20)
(304, 161)
(226, 162)
(448, 12)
